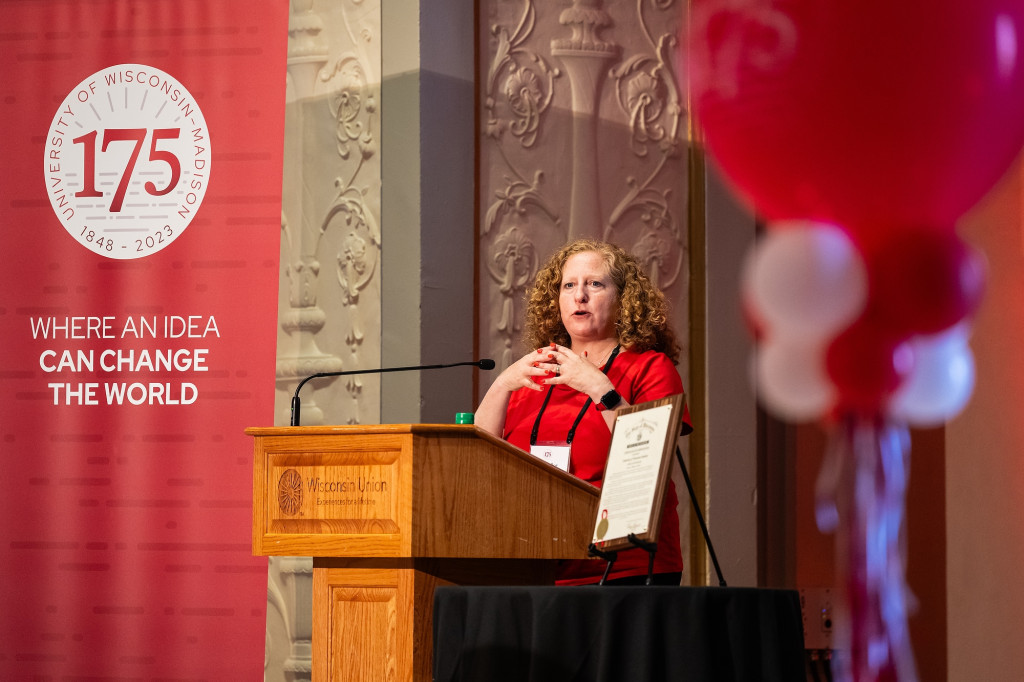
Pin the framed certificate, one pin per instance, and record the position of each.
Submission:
(636, 474)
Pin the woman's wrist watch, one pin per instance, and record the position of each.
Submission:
(609, 401)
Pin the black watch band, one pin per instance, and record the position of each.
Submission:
(609, 401)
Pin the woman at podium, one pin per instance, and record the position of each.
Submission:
(600, 340)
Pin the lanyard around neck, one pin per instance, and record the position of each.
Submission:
(579, 417)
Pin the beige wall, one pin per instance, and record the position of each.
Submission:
(985, 459)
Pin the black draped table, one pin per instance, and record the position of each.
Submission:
(617, 634)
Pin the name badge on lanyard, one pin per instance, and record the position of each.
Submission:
(554, 453)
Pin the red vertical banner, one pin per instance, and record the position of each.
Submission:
(140, 203)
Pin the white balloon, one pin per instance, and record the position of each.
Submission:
(941, 383)
(805, 279)
(791, 379)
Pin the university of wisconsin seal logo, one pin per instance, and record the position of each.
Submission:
(127, 161)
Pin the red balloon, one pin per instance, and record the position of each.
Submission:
(923, 281)
(867, 113)
(867, 364)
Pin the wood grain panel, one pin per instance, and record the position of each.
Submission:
(477, 498)
(362, 623)
(331, 492)
(363, 634)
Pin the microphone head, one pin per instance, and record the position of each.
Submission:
(486, 363)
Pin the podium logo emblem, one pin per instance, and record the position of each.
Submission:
(289, 492)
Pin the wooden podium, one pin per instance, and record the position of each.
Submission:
(389, 513)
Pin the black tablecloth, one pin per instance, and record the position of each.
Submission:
(617, 634)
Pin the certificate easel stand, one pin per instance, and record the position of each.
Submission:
(651, 548)
(636, 478)
(610, 557)
(700, 519)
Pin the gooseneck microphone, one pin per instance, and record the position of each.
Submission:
(486, 363)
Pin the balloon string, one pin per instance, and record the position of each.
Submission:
(861, 497)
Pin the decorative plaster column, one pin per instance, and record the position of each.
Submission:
(330, 251)
(290, 579)
(307, 54)
(289, 595)
(585, 57)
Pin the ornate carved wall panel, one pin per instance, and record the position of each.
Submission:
(330, 241)
(583, 133)
(329, 306)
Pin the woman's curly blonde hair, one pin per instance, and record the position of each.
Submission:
(643, 311)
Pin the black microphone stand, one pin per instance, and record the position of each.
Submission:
(297, 404)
